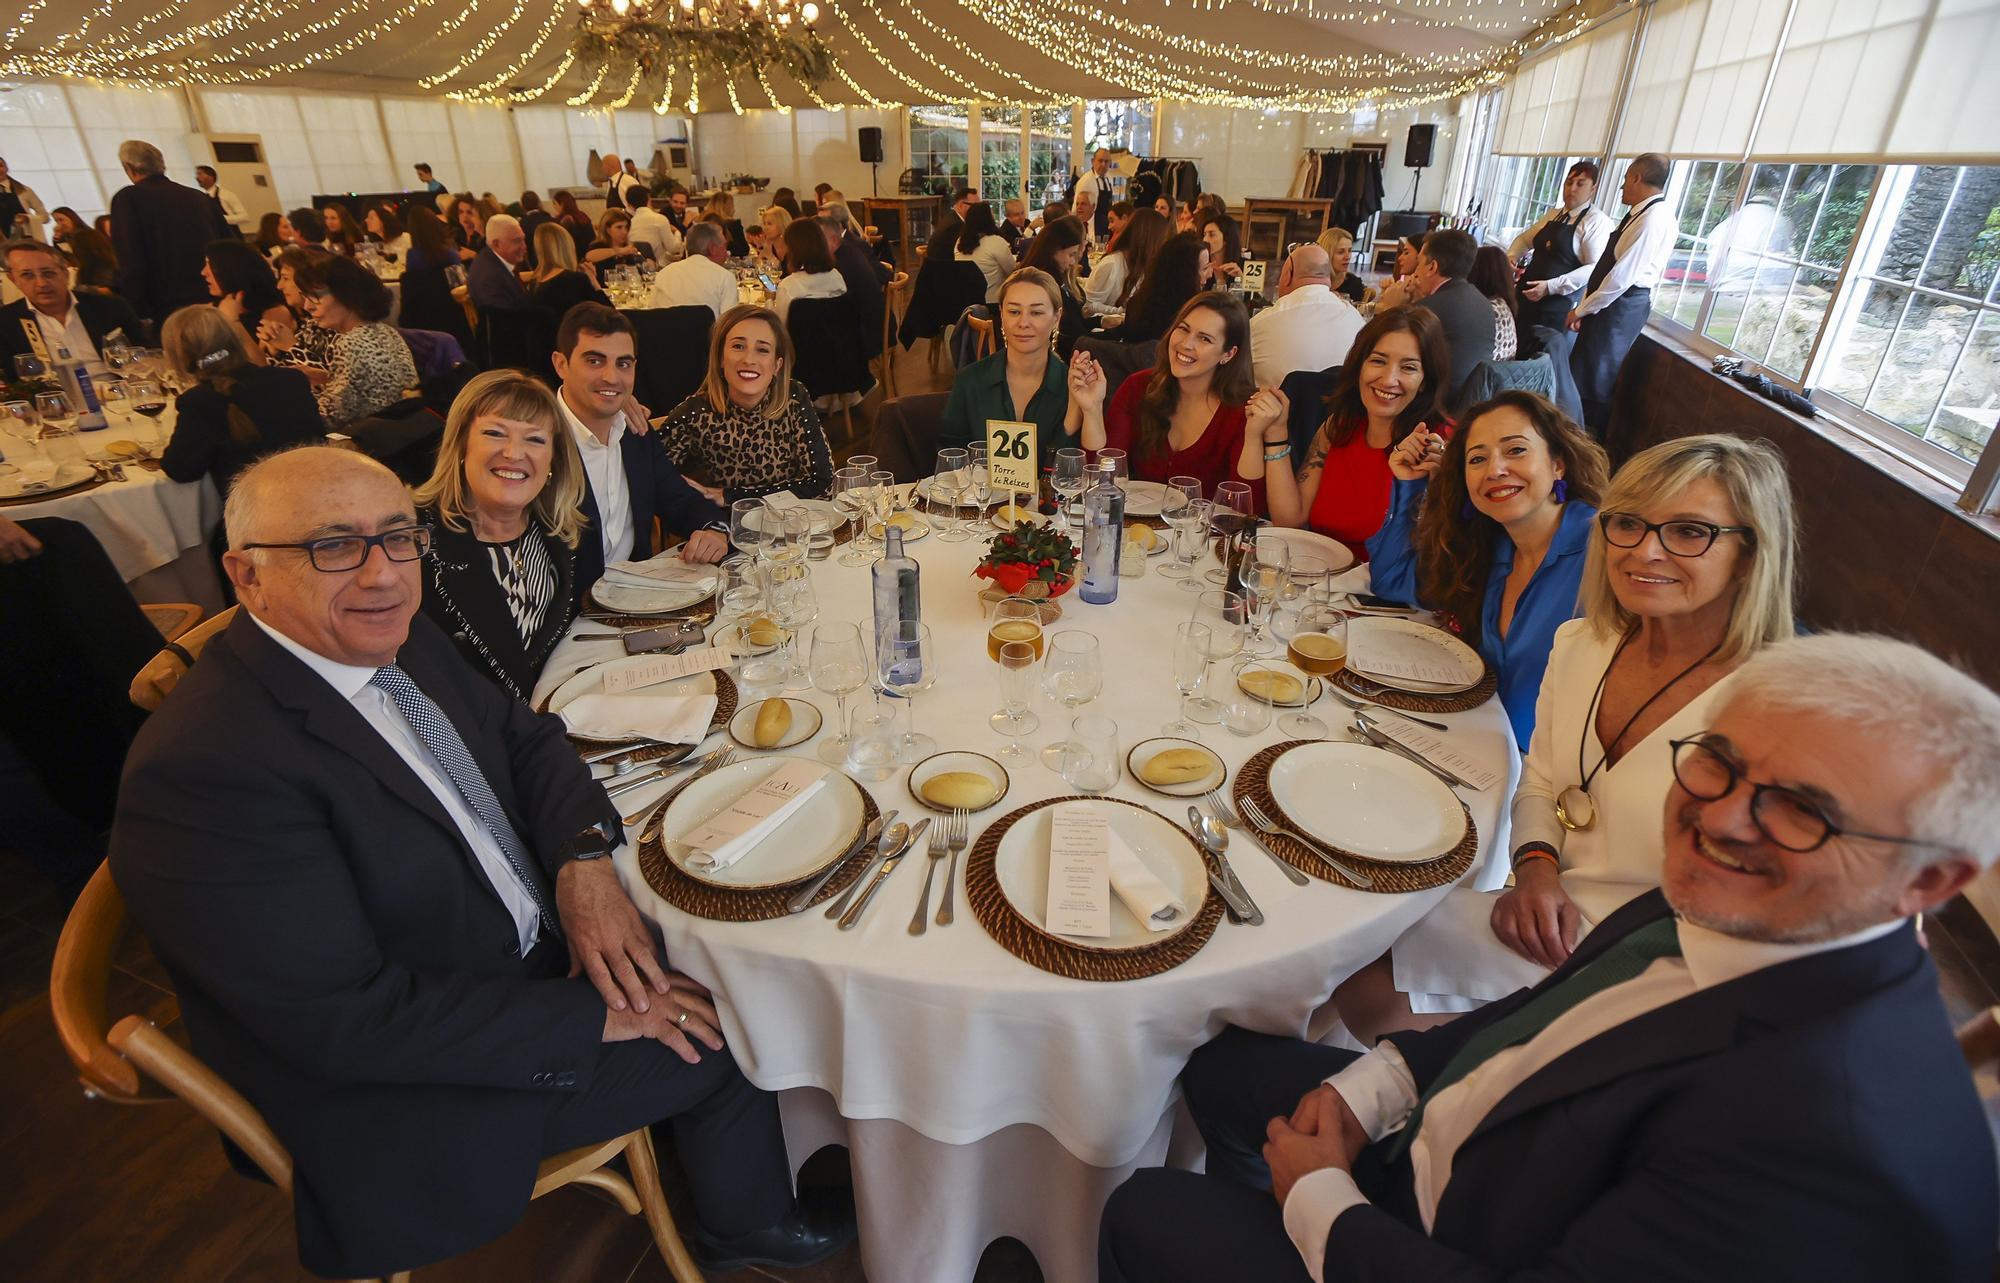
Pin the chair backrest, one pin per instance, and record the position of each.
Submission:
(673, 353)
(130, 1062)
(428, 305)
(904, 438)
(1979, 1039)
(1489, 378)
(519, 337)
(984, 343)
(1120, 361)
(407, 444)
(434, 351)
(152, 684)
(827, 336)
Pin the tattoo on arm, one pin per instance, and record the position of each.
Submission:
(1316, 459)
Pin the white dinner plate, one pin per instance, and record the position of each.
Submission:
(1310, 543)
(591, 681)
(1146, 750)
(1143, 498)
(926, 492)
(806, 721)
(1021, 864)
(825, 515)
(1363, 800)
(67, 476)
(1439, 645)
(806, 843)
(913, 529)
(630, 599)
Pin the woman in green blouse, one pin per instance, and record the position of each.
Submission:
(1025, 381)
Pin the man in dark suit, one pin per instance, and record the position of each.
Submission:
(492, 279)
(1743, 1076)
(862, 272)
(60, 317)
(368, 871)
(1440, 285)
(632, 481)
(161, 231)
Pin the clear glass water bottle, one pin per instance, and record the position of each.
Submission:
(1103, 537)
(898, 600)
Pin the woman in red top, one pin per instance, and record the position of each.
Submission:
(1394, 377)
(1184, 417)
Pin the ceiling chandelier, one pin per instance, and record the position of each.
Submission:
(650, 40)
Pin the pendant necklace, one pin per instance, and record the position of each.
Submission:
(1575, 810)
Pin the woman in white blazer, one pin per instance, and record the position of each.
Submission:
(1690, 572)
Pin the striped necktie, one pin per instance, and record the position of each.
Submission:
(1623, 961)
(445, 744)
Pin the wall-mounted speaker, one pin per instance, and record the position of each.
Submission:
(871, 145)
(1417, 152)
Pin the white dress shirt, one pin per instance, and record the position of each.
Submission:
(695, 281)
(1382, 1092)
(1642, 255)
(1104, 284)
(653, 229)
(806, 285)
(1311, 328)
(1593, 232)
(232, 208)
(70, 333)
(380, 712)
(996, 260)
(604, 465)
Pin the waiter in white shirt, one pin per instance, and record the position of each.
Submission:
(1567, 240)
(1098, 183)
(1619, 296)
(1752, 1078)
(232, 208)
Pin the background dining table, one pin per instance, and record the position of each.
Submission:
(979, 1096)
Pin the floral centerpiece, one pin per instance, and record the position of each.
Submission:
(1030, 561)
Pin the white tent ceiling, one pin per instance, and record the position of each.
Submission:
(1319, 53)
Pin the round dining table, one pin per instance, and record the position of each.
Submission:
(979, 1096)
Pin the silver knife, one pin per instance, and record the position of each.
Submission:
(799, 902)
(882, 850)
(1381, 739)
(853, 915)
(1225, 883)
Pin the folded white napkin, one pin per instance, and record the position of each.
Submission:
(671, 719)
(37, 472)
(1143, 894)
(668, 568)
(739, 846)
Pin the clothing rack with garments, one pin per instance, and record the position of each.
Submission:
(1176, 177)
(1349, 177)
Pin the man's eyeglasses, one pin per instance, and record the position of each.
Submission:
(337, 553)
(1681, 538)
(1786, 817)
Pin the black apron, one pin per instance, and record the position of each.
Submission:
(1555, 255)
(11, 208)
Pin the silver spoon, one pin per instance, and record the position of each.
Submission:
(892, 839)
(1214, 835)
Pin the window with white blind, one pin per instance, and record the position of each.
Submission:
(1568, 94)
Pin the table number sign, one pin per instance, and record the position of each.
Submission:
(1011, 456)
(1253, 276)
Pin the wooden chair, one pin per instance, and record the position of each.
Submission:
(897, 290)
(1979, 1039)
(984, 344)
(172, 618)
(135, 1062)
(463, 294)
(164, 671)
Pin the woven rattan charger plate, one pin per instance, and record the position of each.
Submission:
(39, 496)
(1032, 945)
(722, 904)
(1253, 780)
(725, 708)
(1390, 697)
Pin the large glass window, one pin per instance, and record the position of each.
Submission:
(1916, 339)
(1048, 154)
(1118, 122)
(1524, 188)
(999, 155)
(938, 146)
(1703, 194)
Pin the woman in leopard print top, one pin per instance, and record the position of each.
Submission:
(751, 429)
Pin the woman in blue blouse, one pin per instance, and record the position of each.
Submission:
(1491, 528)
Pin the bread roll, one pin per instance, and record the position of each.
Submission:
(1177, 766)
(763, 632)
(954, 789)
(774, 719)
(123, 449)
(1148, 538)
(1278, 688)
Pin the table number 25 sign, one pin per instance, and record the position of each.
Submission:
(1011, 457)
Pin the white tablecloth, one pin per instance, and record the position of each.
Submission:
(980, 1096)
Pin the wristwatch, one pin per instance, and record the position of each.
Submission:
(597, 841)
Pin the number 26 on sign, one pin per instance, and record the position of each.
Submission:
(1010, 456)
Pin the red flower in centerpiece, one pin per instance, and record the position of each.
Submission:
(1030, 561)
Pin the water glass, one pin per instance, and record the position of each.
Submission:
(27, 365)
(1115, 459)
(871, 742)
(906, 665)
(1016, 667)
(19, 422)
(1222, 612)
(1192, 641)
(979, 482)
(1090, 756)
(839, 668)
(742, 588)
(1190, 526)
(1243, 711)
(1068, 478)
(949, 483)
(749, 525)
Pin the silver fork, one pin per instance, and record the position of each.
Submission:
(1361, 705)
(645, 816)
(1266, 824)
(1219, 807)
(940, 842)
(958, 830)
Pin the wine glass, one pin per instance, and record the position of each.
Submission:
(1189, 524)
(1014, 619)
(1223, 612)
(19, 421)
(1120, 464)
(749, 525)
(947, 484)
(839, 667)
(906, 666)
(1267, 576)
(796, 605)
(1072, 676)
(149, 398)
(1191, 646)
(979, 481)
(1232, 512)
(787, 535)
(1068, 479)
(1016, 667)
(27, 365)
(742, 588)
(1318, 649)
(850, 485)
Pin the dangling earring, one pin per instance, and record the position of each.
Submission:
(1560, 491)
